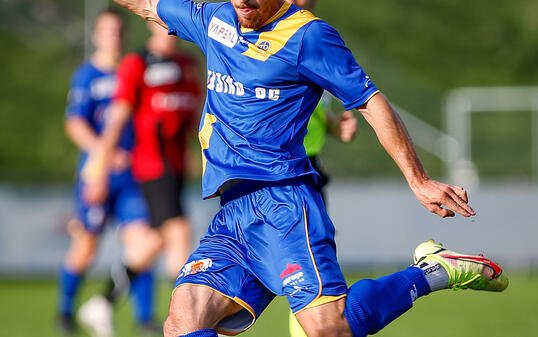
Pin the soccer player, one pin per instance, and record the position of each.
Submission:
(268, 63)
(90, 93)
(160, 88)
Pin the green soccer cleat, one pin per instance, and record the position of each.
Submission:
(464, 271)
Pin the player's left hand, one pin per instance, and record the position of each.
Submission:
(433, 195)
(348, 126)
(120, 161)
(94, 175)
(95, 192)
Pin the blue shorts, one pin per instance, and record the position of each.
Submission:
(274, 241)
(125, 203)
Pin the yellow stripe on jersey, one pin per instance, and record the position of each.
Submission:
(204, 135)
(270, 43)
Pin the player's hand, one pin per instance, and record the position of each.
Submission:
(433, 195)
(95, 192)
(348, 126)
(120, 161)
(94, 175)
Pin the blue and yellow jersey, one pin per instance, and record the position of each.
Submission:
(89, 97)
(262, 87)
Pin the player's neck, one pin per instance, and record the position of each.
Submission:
(105, 61)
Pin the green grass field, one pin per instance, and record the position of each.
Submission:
(27, 309)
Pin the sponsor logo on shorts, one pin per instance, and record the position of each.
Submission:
(222, 32)
(96, 216)
(290, 269)
(292, 275)
(196, 267)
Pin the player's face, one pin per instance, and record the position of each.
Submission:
(160, 36)
(108, 33)
(254, 13)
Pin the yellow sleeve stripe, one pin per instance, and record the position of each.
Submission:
(270, 43)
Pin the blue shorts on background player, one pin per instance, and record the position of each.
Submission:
(268, 64)
(91, 89)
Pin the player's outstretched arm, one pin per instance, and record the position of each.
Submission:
(146, 9)
(393, 136)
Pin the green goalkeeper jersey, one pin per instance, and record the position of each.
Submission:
(317, 128)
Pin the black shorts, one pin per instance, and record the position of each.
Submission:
(163, 196)
(315, 162)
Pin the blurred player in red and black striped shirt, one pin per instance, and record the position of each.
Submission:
(160, 88)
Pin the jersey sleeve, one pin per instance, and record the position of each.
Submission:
(187, 19)
(79, 97)
(325, 60)
(129, 79)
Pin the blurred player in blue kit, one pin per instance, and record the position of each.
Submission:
(268, 63)
(92, 87)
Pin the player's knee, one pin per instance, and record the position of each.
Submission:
(142, 245)
(81, 253)
(172, 327)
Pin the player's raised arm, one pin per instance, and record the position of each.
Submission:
(146, 9)
(393, 135)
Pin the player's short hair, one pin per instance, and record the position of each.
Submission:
(112, 11)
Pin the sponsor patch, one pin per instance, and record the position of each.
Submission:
(290, 269)
(292, 275)
(222, 32)
(196, 267)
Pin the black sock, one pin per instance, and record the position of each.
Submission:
(119, 282)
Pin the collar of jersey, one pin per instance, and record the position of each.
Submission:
(283, 9)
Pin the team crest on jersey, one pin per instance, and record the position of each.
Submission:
(222, 32)
(196, 267)
(264, 45)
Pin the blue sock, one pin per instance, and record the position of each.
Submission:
(202, 333)
(69, 285)
(372, 304)
(142, 293)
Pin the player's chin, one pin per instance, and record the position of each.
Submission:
(250, 21)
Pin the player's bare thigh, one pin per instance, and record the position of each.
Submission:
(194, 308)
(326, 320)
